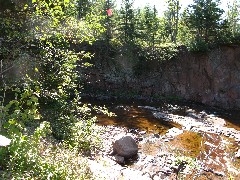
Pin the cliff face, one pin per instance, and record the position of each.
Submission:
(212, 78)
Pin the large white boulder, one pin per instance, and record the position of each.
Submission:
(4, 141)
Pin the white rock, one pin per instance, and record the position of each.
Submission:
(237, 155)
(174, 132)
(4, 141)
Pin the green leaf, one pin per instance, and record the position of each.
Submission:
(25, 7)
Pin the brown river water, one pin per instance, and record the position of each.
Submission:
(132, 115)
(129, 114)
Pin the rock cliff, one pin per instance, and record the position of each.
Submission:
(211, 78)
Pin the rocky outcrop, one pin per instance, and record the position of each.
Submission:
(212, 78)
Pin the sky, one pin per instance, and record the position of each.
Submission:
(161, 5)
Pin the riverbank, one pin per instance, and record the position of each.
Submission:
(162, 157)
(193, 144)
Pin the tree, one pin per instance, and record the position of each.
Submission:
(172, 19)
(126, 21)
(108, 21)
(151, 25)
(203, 17)
(83, 7)
(184, 35)
(233, 17)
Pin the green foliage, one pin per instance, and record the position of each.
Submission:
(35, 157)
(47, 101)
(172, 19)
(198, 45)
(4, 5)
(46, 104)
(21, 111)
(148, 58)
(184, 35)
(147, 27)
(83, 7)
(203, 17)
(58, 76)
(233, 16)
(126, 22)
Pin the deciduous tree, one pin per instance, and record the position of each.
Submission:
(172, 19)
(233, 17)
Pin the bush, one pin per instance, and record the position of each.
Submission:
(156, 55)
(198, 45)
(35, 157)
(49, 103)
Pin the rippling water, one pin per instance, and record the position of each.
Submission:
(129, 114)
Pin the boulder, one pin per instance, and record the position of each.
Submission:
(125, 147)
(119, 159)
(4, 141)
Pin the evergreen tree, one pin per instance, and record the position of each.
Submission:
(108, 21)
(126, 21)
(184, 35)
(83, 8)
(151, 25)
(204, 18)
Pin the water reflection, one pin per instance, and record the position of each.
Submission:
(134, 117)
(131, 115)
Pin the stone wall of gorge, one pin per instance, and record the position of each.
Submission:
(211, 78)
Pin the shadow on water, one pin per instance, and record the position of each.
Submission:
(130, 115)
(134, 117)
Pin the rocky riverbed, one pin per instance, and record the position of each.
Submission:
(202, 148)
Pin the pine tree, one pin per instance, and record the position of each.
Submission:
(83, 7)
(126, 21)
(204, 18)
(151, 25)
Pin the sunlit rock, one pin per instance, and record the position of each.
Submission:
(4, 141)
(237, 155)
(173, 132)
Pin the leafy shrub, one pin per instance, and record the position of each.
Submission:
(48, 104)
(36, 157)
(198, 45)
(148, 55)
